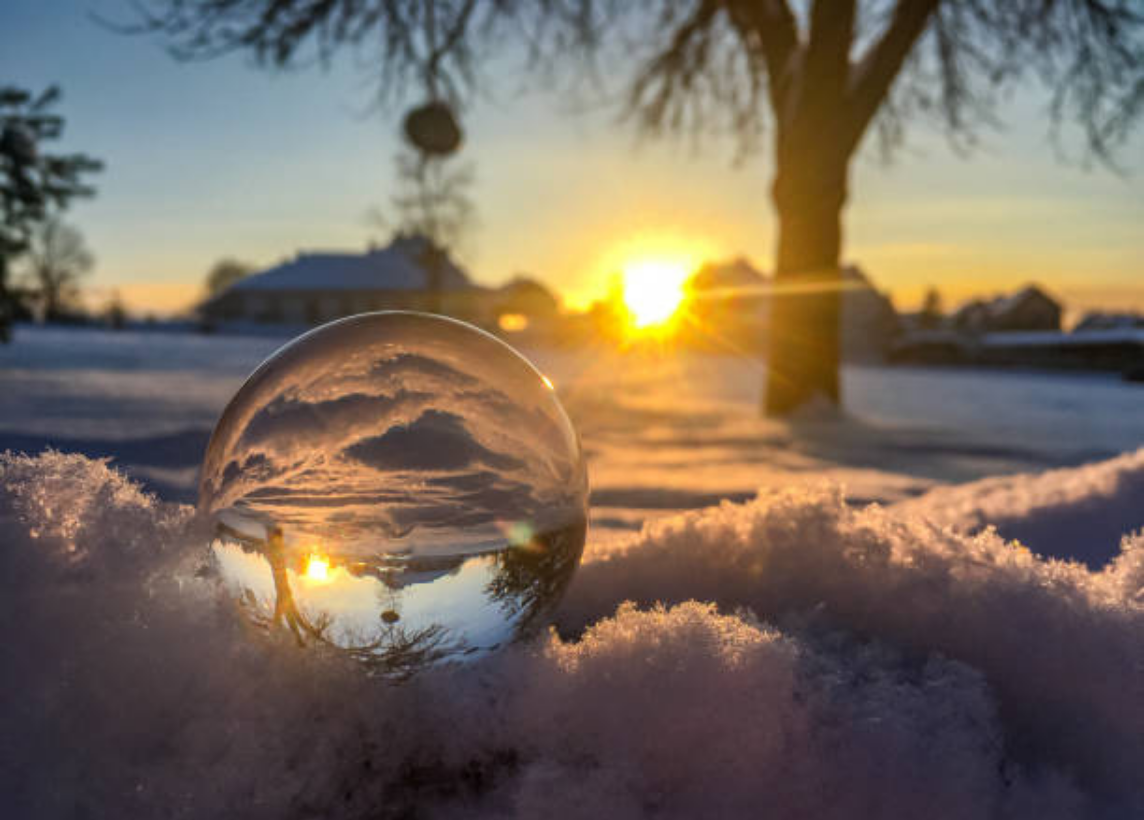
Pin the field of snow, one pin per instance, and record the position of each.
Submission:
(793, 652)
(663, 432)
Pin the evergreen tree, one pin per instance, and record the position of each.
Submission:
(33, 183)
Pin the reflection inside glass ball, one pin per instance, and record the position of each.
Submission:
(400, 486)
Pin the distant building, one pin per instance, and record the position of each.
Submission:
(737, 280)
(971, 317)
(1030, 308)
(1109, 321)
(729, 307)
(1023, 331)
(732, 304)
(528, 296)
(869, 321)
(318, 287)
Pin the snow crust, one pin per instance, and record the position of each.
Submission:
(1079, 513)
(790, 657)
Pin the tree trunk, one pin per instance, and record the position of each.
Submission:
(803, 356)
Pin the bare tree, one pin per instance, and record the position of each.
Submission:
(931, 314)
(115, 312)
(56, 259)
(432, 199)
(431, 202)
(817, 75)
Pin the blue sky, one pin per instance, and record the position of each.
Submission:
(218, 158)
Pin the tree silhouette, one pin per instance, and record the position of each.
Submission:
(821, 74)
(931, 314)
(393, 650)
(115, 312)
(57, 257)
(225, 273)
(530, 578)
(33, 184)
(432, 201)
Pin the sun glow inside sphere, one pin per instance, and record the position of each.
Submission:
(432, 463)
(653, 289)
(318, 568)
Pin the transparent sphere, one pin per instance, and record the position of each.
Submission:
(400, 486)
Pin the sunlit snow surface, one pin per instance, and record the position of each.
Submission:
(815, 656)
(814, 659)
(398, 485)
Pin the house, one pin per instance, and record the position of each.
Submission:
(1023, 331)
(869, 321)
(408, 274)
(1030, 308)
(729, 305)
(524, 303)
(972, 317)
(736, 280)
(1109, 321)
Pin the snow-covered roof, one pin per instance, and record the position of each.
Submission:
(969, 308)
(1109, 321)
(1004, 304)
(1053, 337)
(396, 267)
(999, 307)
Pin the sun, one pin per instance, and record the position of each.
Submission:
(318, 568)
(653, 288)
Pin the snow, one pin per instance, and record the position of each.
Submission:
(810, 657)
(663, 432)
(798, 652)
(1055, 512)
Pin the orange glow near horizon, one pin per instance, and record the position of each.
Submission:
(647, 270)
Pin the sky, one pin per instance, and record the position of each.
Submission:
(214, 159)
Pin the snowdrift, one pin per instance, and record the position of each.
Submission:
(1079, 513)
(790, 657)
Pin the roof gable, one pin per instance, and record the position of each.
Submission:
(1026, 295)
(736, 274)
(395, 267)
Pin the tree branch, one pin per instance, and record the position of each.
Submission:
(876, 71)
(666, 77)
(827, 63)
(773, 23)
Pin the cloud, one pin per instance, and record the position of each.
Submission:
(300, 422)
(436, 440)
(405, 365)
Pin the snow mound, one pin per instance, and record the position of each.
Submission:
(842, 663)
(1079, 512)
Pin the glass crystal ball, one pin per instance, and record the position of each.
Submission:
(399, 486)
